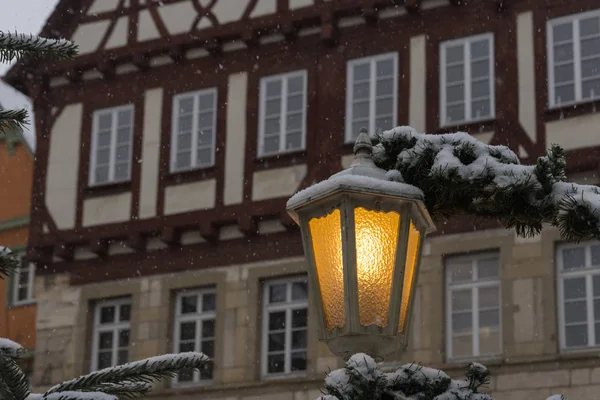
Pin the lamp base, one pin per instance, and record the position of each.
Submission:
(377, 346)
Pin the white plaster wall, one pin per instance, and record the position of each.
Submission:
(574, 133)
(526, 73)
(150, 152)
(418, 79)
(277, 182)
(146, 27)
(63, 166)
(235, 138)
(100, 6)
(229, 10)
(107, 209)
(88, 36)
(294, 4)
(264, 7)
(118, 38)
(178, 17)
(190, 196)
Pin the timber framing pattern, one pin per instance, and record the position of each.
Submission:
(323, 53)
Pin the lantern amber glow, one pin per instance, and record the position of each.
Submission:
(363, 240)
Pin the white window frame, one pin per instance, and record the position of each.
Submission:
(194, 141)
(466, 42)
(114, 328)
(113, 145)
(30, 268)
(588, 273)
(198, 318)
(288, 307)
(350, 136)
(473, 284)
(283, 120)
(573, 19)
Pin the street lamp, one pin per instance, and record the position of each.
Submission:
(362, 236)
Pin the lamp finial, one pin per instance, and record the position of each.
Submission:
(363, 145)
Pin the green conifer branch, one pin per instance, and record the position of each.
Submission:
(34, 48)
(12, 120)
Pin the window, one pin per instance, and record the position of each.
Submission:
(282, 113)
(574, 58)
(473, 306)
(579, 295)
(467, 80)
(111, 333)
(194, 128)
(371, 100)
(195, 329)
(285, 327)
(24, 281)
(111, 145)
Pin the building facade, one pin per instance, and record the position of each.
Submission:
(17, 297)
(167, 149)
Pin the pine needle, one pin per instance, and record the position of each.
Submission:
(27, 47)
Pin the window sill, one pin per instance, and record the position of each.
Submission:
(280, 159)
(107, 189)
(590, 352)
(573, 110)
(192, 175)
(471, 127)
(22, 304)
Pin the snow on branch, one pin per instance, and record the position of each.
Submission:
(8, 262)
(9, 348)
(32, 47)
(460, 175)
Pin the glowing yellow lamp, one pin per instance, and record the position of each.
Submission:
(363, 237)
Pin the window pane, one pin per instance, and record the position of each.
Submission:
(489, 319)
(480, 69)
(22, 293)
(590, 67)
(124, 338)
(295, 84)
(384, 106)
(124, 118)
(24, 277)
(591, 89)
(596, 284)
(576, 311)
(488, 267)
(207, 101)
(357, 126)
(480, 109)
(205, 137)
(564, 94)
(187, 331)
(208, 328)
(455, 73)
(121, 172)
(489, 297)
(460, 270)
(563, 52)
(104, 360)
(184, 141)
(204, 157)
(480, 48)
(293, 141)
(271, 144)
(273, 107)
(384, 87)
(275, 363)
(186, 105)
(299, 361)
(123, 135)
(294, 122)
(105, 340)
(385, 67)
(362, 71)
(122, 356)
(590, 47)
(454, 54)
(209, 301)
(596, 255)
(101, 174)
(299, 339)
(563, 32)
(125, 312)
(361, 90)
(576, 336)
(187, 346)
(103, 139)
(597, 311)
(183, 160)
(299, 318)
(123, 153)
(455, 93)
(574, 288)
(573, 258)
(589, 26)
(461, 322)
(455, 113)
(104, 121)
(274, 88)
(295, 103)
(107, 314)
(208, 348)
(205, 120)
(276, 342)
(489, 343)
(186, 375)
(462, 346)
(383, 123)
(272, 126)
(277, 293)
(276, 320)
(564, 73)
(461, 300)
(299, 290)
(480, 89)
(360, 110)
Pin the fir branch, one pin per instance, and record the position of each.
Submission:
(34, 48)
(12, 120)
(8, 262)
(138, 372)
(125, 390)
(13, 382)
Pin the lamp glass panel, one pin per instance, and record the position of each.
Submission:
(326, 235)
(376, 242)
(412, 252)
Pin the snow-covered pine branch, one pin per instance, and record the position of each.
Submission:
(460, 175)
(8, 262)
(12, 120)
(32, 47)
(13, 382)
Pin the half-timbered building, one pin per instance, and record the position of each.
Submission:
(167, 149)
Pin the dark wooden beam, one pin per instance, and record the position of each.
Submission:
(74, 75)
(287, 221)
(136, 242)
(329, 31)
(248, 225)
(99, 248)
(65, 251)
(290, 31)
(370, 14)
(209, 232)
(141, 61)
(214, 46)
(250, 38)
(413, 6)
(171, 236)
(457, 2)
(177, 54)
(39, 254)
(107, 68)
